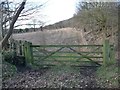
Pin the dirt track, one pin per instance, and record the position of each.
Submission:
(47, 78)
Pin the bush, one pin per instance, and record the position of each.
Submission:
(15, 60)
(108, 76)
(7, 55)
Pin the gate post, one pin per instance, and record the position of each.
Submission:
(25, 51)
(106, 52)
(28, 53)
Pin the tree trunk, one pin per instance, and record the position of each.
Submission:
(0, 27)
(0, 49)
(7, 36)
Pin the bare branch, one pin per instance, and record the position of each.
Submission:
(30, 9)
(5, 39)
(23, 15)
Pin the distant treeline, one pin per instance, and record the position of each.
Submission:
(26, 30)
(58, 25)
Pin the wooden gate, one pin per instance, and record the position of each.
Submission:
(89, 55)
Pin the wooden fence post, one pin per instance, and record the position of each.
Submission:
(106, 52)
(31, 54)
(14, 49)
(23, 49)
(25, 52)
(28, 53)
(11, 46)
(20, 47)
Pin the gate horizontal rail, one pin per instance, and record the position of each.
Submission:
(67, 45)
(70, 56)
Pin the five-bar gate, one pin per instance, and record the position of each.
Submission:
(89, 55)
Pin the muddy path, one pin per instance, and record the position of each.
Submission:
(53, 78)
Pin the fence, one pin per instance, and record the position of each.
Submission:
(17, 47)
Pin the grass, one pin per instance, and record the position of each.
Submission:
(108, 76)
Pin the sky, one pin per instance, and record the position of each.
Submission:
(53, 10)
(58, 10)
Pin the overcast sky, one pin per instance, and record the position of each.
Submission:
(57, 10)
(54, 10)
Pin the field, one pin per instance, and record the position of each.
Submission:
(53, 37)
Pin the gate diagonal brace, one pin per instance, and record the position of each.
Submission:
(52, 53)
(87, 53)
(84, 56)
(46, 53)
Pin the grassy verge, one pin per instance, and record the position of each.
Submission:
(108, 76)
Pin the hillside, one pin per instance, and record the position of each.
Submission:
(61, 24)
(57, 36)
(91, 37)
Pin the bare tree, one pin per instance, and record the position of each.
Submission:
(11, 27)
(14, 15)
(0, 25)
(97, 16)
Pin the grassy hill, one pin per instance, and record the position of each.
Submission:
(55, 36)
